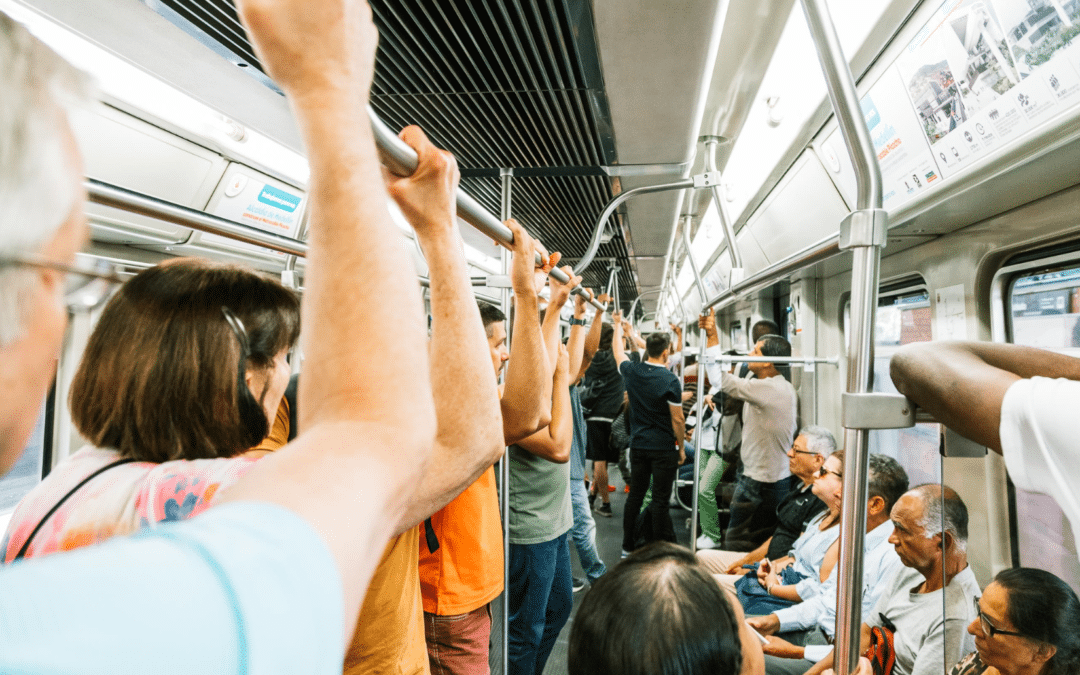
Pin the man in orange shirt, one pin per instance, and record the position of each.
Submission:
(461, 546)
(469, 438)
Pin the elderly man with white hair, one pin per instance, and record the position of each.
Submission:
(272, 578)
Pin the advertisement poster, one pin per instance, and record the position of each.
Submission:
(255, 202)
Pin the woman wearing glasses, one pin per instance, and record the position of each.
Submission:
(183, 373)
(1026, 624)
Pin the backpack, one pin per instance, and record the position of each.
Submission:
(620, 430)
(882, 653)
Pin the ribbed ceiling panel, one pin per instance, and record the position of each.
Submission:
(500, 83)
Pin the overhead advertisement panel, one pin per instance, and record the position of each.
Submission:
(978, 75)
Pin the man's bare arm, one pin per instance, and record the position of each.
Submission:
(827, 662)
(575, 346)
(338, 475)
(526, 408)
(553, 443)
(469, 438)
(678, 425)
(962, 384)
(592, 339)
(618, 350)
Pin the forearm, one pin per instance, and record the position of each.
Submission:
(469, 439)
(550, 331)
(575, 346)
(789, 593)
(617, 349)
(553, 442)
(526, 408)
(678, 425)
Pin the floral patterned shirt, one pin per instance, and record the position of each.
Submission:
(119, 501)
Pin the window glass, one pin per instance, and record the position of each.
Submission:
(902, 319)
(27, 470)
(1044, 311)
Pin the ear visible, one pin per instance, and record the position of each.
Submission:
(876, 505)
(1044, 652)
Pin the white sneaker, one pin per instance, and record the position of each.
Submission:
(706, 542)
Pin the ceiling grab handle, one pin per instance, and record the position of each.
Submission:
(637, 301)
(401, 160)
(712, 147)
(699, 408)
(863, 231)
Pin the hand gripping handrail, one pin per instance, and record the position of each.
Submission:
(401, 160)
(699, 408)
(864, 231)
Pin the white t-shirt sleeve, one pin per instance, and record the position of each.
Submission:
(1039, 440)
(243, 588)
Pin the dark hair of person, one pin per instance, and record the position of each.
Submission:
(689, 360)
(490, 314)
(607, 334)
(774, 345)
(162, 379)
(656, 343)
(656, 613)
(1045, 609)
(888, 480)
(763, 328)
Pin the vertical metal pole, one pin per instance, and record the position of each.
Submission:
(712, 146)
(507, 176)
(701, 383)
(864, 285)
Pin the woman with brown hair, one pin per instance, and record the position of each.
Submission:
(183, 373)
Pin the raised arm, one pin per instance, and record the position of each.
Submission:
(526, 407)
(339, 475)
(553, 442)
(962, 384)
(469, 438)
(618, 350)
(592, 340)
(560, 293)
(575, 346)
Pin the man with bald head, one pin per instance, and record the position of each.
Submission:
(930, 525)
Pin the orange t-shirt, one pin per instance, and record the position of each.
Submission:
(466, 571)
(389, 636)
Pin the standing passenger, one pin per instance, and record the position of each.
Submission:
(657, 433)
(768, 429)
(461, 545)
(602, 400)
(541, 585)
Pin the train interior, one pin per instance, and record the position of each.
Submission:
(972, 106)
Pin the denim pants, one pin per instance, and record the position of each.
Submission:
(660, 467)
(584, 532)
(753, 512)
(541, 597)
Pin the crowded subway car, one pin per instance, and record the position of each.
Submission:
(539, 336)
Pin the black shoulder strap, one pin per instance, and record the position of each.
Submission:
(429, 535)
(84, 481)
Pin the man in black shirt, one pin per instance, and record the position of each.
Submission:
(657, 430)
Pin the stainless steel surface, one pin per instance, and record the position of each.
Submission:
(699, 408)
(712, 145)
(864, 287)
(401, 160)
(877, 410)
(133, 202)
(598, 231)
(792, 360)
(506, 178)
(637, 301)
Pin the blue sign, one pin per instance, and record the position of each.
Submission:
(279, 199)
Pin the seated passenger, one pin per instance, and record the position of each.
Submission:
(658, 611)
(1025, 623)
(806, 456)
(271, 578)
(797, 577)
(768, 427)
(813, 622)
(1005, 397)
(929, 601)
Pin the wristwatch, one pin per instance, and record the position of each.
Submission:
(578, 322)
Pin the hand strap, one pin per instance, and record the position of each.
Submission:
(57, 505)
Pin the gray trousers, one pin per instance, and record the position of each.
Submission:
(775, 665)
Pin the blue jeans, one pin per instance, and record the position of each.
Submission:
(584, 532)
(753, 512)
(541, 597)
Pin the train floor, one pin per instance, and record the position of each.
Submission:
(609, 546)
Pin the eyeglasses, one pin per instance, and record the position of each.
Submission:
(989, 629)
(822, 471)
(802, 452)
(86, 285)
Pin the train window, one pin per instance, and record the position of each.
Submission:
(1043, 310)
(903, 317)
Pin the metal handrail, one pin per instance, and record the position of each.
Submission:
(792, 360)
(598, 233)
(712, 146)
(866, 262)
(401, 160)
(637, 301)
(699, 409)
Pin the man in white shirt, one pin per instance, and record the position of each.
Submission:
(1006, 398)
(930, 535)
(767, 432)
(813, 623)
